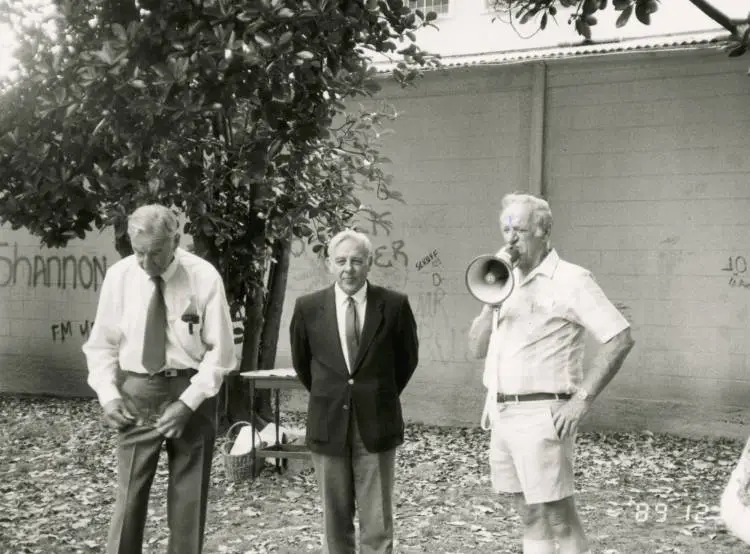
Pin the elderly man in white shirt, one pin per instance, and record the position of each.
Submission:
(160, 347)
(537, 391)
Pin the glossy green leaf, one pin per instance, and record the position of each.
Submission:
(623, 18)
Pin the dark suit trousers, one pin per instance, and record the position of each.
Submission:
(189, 463)
(362, 478)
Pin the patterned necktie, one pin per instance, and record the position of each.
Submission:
(351, 326)
(155, 335)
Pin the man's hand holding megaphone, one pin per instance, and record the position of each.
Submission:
(508, 254)
(490, 280)
(489, 277)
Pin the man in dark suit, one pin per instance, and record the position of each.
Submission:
(354, 347)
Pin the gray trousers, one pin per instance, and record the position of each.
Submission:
(363, 479)
(189, 462)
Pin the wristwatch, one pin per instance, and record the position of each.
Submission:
(581, 394)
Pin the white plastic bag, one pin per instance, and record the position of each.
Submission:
(243, 443)
(735, 501)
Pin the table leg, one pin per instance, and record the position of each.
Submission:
(277, 417)
(253, 457)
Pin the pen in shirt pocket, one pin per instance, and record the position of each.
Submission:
(190, 316)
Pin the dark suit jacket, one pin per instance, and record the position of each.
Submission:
(385, 362)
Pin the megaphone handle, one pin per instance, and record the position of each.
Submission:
(495, 317)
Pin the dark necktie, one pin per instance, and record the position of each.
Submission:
(351, 327)
(155, 334)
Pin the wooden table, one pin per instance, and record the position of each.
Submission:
(275, 380)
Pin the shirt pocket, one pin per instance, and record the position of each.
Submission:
(544, 306)
(186, 322)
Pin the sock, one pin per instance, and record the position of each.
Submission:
(531, 546)
(572, 545)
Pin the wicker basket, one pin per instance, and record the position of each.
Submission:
(238, 467)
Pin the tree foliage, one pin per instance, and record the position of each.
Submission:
(238, 113)
(223, 109)
(582, 14)
(220, 108)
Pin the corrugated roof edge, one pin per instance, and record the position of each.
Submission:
(682, 41)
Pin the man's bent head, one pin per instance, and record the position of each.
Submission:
(153, 231)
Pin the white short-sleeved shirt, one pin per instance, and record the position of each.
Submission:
(538, 345)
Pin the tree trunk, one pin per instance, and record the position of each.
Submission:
(277, 280)
(237, 406)
(122, 240)
(259, 343)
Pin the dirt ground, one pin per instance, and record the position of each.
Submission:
(639, 492)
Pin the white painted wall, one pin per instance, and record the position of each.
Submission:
(647, 174)
(47, 305)
(649, 178)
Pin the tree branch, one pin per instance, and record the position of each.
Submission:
(738, 28)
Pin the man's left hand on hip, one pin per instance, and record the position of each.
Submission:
(172, 422)
(568, 416)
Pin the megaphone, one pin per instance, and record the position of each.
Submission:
(489, 277)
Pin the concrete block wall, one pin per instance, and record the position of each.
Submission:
(649, 179)
(646, 173)
(47, 306)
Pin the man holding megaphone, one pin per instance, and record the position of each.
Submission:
(530, 331)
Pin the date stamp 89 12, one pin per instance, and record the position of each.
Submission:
(662, 512)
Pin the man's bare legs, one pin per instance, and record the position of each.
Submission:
(549, 525)
(563, 520)
(538, 537)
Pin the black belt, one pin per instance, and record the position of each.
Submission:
(533, 396)
(169, 372)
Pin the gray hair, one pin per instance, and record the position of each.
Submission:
(541, 214)
(341, 236)
(154, 220)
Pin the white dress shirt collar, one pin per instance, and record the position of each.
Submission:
(359, 297)
(547, 267)
(167, 274)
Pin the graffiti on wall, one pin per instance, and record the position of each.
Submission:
(67, 329)
(35, 270)
(737, 268)
(390, 260)
(376, 225)
(431, 257)
(442, 336)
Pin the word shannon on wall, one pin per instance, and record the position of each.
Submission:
(83, 271)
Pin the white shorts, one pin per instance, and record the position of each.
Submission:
(526, 454)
